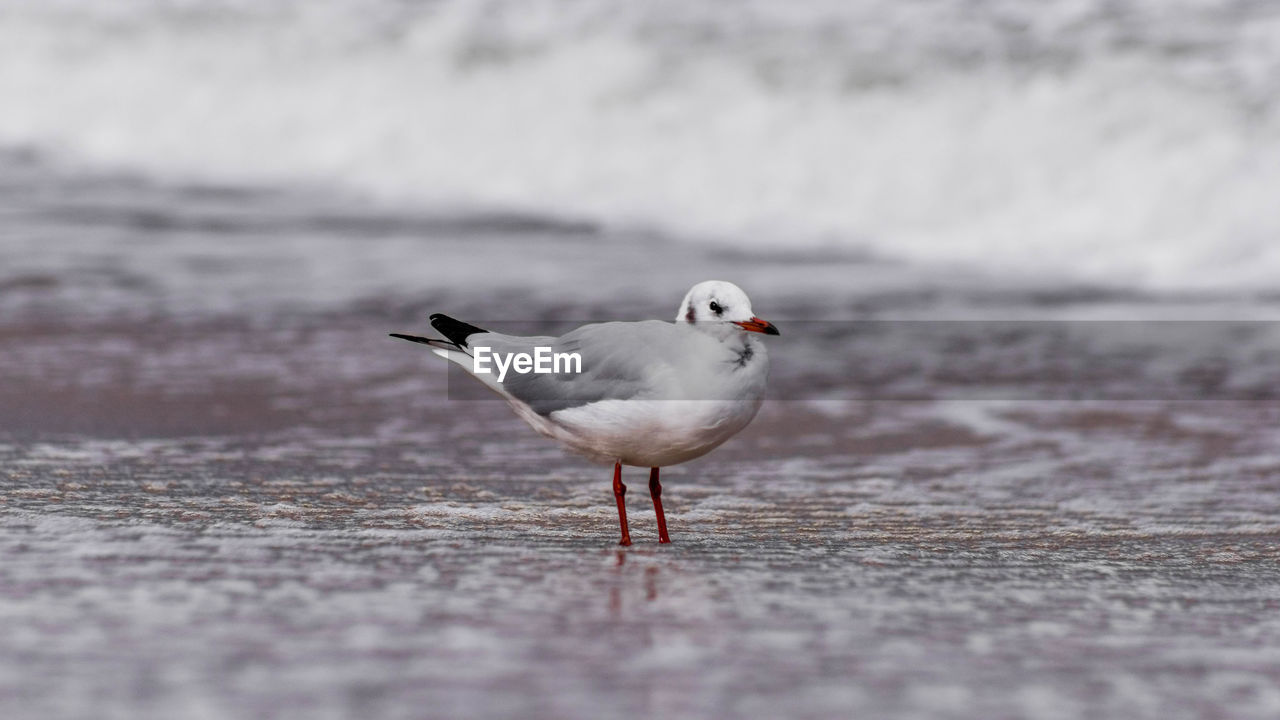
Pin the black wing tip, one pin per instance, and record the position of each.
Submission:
(411, 338)
(456, 330)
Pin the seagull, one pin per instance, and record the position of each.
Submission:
(646, 394)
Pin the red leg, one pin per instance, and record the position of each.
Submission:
(619, 494)
(655, 489)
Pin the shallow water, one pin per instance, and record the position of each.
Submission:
(224, 492)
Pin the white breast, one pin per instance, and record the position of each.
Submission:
(696, 410)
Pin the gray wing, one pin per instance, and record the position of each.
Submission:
(619, 360)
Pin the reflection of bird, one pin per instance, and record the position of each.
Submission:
(645, 393)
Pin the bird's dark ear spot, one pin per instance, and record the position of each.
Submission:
(689, 316)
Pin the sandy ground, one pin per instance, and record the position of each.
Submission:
(254, 504)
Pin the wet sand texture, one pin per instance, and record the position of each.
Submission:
(225, 493)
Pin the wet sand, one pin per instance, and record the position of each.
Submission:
(249, 502)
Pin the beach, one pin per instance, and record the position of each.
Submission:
(1018, 455)
(256, 505)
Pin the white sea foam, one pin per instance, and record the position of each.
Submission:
(1133, 142)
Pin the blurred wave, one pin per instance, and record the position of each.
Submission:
(1131, 142)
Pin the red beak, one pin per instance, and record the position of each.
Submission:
(755, 324)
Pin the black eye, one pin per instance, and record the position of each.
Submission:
(715, 307)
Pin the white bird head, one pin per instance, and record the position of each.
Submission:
(717, 301)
